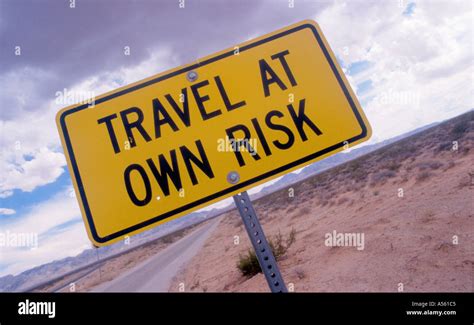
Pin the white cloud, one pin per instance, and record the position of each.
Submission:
(22, 90)
(420, 65)
(159, 61)
(44, 167)
(6, 211)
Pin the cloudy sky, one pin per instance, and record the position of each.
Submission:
(410, 63)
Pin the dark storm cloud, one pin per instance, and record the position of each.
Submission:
(72, 44)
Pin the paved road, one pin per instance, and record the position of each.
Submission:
(155, 274)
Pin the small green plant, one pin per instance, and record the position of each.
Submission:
(291, 238)
(248, 263)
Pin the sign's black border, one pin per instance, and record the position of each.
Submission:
(169, 214)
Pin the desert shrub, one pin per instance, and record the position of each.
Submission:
(444, 146)
(350, 188)
(359, 175)
(342, 200)
(168, 239)
(324, 186)
(465, 181)
(450, 165)
(428, 216)
(427, 165)
(459, 129)
(355, 169)
(304, 210)
(237, 223)
(423, 176)
(382, 176)
(277, 246)
(300, 273)
(324, 198)
(392, 165)
(398, 151)
(353, 165)
(291, 238)
(248, 263)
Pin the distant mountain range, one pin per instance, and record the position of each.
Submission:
(31, 278)
(35, 276)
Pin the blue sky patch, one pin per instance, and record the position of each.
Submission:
(358, 66)
(409, 9)
(21, 201)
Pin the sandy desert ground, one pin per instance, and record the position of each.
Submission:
(420, 241)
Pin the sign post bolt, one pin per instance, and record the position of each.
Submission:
(192, 75)
(233, 177)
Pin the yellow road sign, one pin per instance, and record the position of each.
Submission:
(160, 148)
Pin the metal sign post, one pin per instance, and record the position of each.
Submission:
(262, 249)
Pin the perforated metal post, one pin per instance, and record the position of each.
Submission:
(257, 237)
